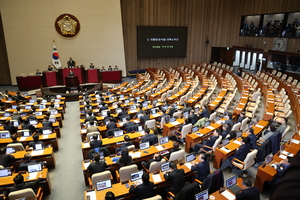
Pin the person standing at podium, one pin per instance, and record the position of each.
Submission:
(71, 63)
(71, 73)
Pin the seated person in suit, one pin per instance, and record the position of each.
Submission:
(174, 149)
(240, 153)
(14, 140)
(92, 127)
(109, 115)
(128, 123)
(103, 69)
(109, 196)
(176, 177)
(50, 68)
(156, 158)
(97, 166)
(205, 112)
(38, 72)
(193, 118)
(5, 158)
(252, 137)
(71, 63)
(171, 110)
(145, 116)
(209, 142)
(104, 106)
(165, 115)
(9, 127)
(268, 133)
(127, 141)
(280, 168)
(229, 120)
(125, 159)
(71, 73)
(111, 124)
(201, 166)
(27, 161)
(225, 131)
(116, 68)
(186, 108)
(26, 125)
(149, 137)
(36, 141)
(16, 116)
(109, 68)
(31, 116)
(249, 191)
(92, 66)
(20, 184)
(94, 143)
(283, 126)
(144, 190)
(51, 107)
(90, 117)
(123, 112)
(241, 118)
(46, 123)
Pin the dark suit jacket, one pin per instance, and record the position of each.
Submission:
(96, 167)
(193, 118)
(29, 126)
(203, 170)
(111, 125)
(123, 113)
(12, 129)
(33, 143)
(248, 194)
(177, 180)
(103, 108)
(96, 143)
(144, 118)
(205, 113)
(224, 133)
(5, 159)
(240, 119)
(127, 124)
(210, 142)
(150, 138)
(242, 152)
(24, 165)
(167, 117)
(31, 184)
(31, 117)
(90, 118)
(145, 190)
(47, 124)
(171, 112)
(253, 141)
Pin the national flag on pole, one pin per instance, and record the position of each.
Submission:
(55, 57)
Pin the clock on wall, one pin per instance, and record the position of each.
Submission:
(279, 44)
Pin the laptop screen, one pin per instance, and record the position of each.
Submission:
(195, 129)
(10, 150)
(163, 140)
(58, 96)
(196, 110)
(31, 100)
(139, 115)
(144, 145)
(127, 101)
(104, 113)
(164, 167)
(202, 195)
(56, 105)
(118, 110)
(269, 158)
(33, 122)
(185, 114)
(26, 133)
(145, 104)
(14, 107)
(4, 134)
(44, 101)
(231, 181)
(153, 111)
(38, 113)
(140, 128)
(42, 106)
(7, 115)
(133, 107)
(47, 131)
(27, 107)
(172, 119)
(164, 108)
(225, 142)
(34, 168)
(118, 133)
(52, 119)
(15, 123)
(102, 185)
(190, 157)
(137, 98)
(53, 112)
(5, 172)
(136, 175)
(121, 96)
(238, 134)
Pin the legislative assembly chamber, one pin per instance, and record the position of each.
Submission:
(150, 100)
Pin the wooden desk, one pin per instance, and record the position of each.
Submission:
(170, 127)
(219, 196)
(6, 182)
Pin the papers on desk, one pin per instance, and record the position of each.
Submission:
(268, 113)
(156, 115)
(135, 154)
(244, 97)
(175, 123)
(242, 103)
(83, 131)
(122, 123)
(35, 153)
(32, 175)
(210, 127)
(226, 150)
(228, 195)
(259, 126)
(136, 121)
(159, 148)
(156, 178)
(22, 138)
(237, 142)
(96, 110)
(92, 195)
(220, 121)
(282, 156)
(142, 132)
(287, 153)
(188, 165)
(86, 145)
(295, 141)
(86, 165)
(45, 136)
(238, 108)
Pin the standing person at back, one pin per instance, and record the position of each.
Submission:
(176, 177)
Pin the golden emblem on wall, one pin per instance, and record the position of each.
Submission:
(67, 25)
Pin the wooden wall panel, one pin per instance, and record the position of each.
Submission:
(4, 66)
(218, 20)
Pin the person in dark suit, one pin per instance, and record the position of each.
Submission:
(205, 112)
(97, 166)
(144, 190)
(27, 161)
(109, 68)
(90, 117)
(127, 141)
(50, 68)
(92, 66)
(116, 68)
(36, 141)
(252, 137)
(95, 142)
(148, 137)
(176, 177)
(249, 191)
(193, 118)
(71, 73)
(240, 118)
(5, 158)
(104, 106)
(14, 140)
(111, 124)
(128, 123)
(26, 125)
(165, 115)
(156, 158)
(46, 123)
(31, 116)
(225, 131)
(202, 167)
(145, 116)
(20, 184)
(123, 112)
(9, 127)
(71, 63)
(229, 120)
(16, 116)
(125, 159)
(209, 142)
(171, 110)
(240, 154)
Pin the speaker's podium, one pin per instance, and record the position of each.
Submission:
(72, 84)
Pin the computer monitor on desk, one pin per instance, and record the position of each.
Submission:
(269, 158)
(202, 195)
(144, 145)
(163, 140)
(102, 185)
(118, 133)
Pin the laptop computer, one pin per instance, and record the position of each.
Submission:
(165, 167)
(239, 134)
(231, 184)
(137, 177)
(52, 119)
(27, 107)
(34, 168)
(10, 150)
(57, 100)
(127, 101)
(44, 101)
(58, 96)
(153, 111)
(31, 100)
(144, 145)
(4, 134)
(33, 122)
(118, 133)
(172, 119)
(42, 106)
(163, 140)
(195, 129)
(137, 98)
(121, 96)
(53, 112)
(269, 158)
(47, 131)
(14, 107)
(38, 113)
(185, 114)
(164, 108)
(15, 122)
(26, 134)
(133, 107)
(21, 198)
(190, 157)
(102, 185)
(145, 104)
(118, 110)
(7, 114)
(225, 142)
(139, 115)
(196, 110)
(56, 105)
(5, 172)
(202, 195)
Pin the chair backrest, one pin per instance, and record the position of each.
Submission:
(131, 147)
(16, 146)
(236, 127)
(157, 197)
(250, 159)
(217, 142)
(150, 123)
(163, 97)
(213, 182)
(244, 124)
(186, 129)
(101, 176)
(88, 136)
(177, 155)
(285, 131)
(162, 122)
(155, 166)
(177, 114)
(213, 116)
(126, 171)
(181, 101)
(28, 193)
